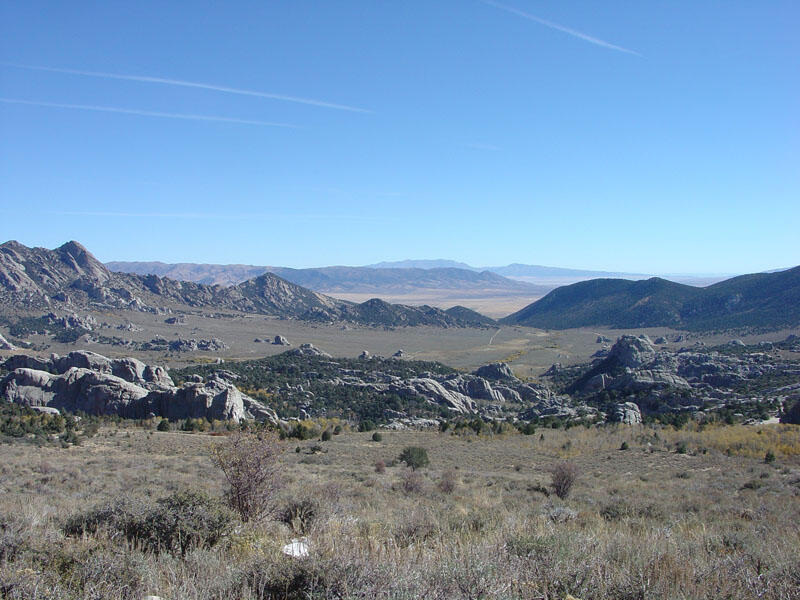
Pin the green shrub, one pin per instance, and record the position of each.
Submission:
(163, 425)
(177, 523)
(769, 457)
(326, 435)
(185, 520)
(377, 437)
(681, 448)
(415, 457)
(366, 425)
(624, 446)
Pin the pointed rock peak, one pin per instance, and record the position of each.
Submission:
(83, 259)
(376, 302)
(74, 248)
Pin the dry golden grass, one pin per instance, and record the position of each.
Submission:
(645, 522)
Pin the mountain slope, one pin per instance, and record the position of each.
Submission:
(758, 300)
(69, 276)
(331, 280)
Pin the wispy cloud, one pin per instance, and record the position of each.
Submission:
(147, 113)
(562, 28)
(193, 84)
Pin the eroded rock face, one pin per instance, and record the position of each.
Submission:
(125, 387)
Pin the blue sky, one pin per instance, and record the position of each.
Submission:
(656, 137)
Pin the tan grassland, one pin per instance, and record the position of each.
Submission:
(646, 522)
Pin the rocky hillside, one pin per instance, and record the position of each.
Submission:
(308, 383)
(732, 381)
(766, 300)
(69, 276)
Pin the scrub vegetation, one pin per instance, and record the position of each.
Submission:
(680, 513)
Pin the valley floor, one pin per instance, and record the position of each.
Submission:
(529, 351)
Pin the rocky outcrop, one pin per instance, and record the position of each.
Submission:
(280, 341)
(88, 382)
(499, 370)
(309, 350)
(627, 413)
(632, 352)
(193, 345)
(434, 392)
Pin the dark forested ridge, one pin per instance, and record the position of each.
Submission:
(769, 300)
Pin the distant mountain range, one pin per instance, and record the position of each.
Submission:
(383, 279)
(512, 270)
(758, 300)
(331, 280)
(69, 277)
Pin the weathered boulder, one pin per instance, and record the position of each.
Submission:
(82, 359)
(627, 413)
(280, 341)
(23, 361)
(498, 370)
(364, 355)
(632, 352)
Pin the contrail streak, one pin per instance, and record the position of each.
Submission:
(147, 113)
(556, 26)
(193, 84)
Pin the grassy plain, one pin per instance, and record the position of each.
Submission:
(529, 351)
(678, 514)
